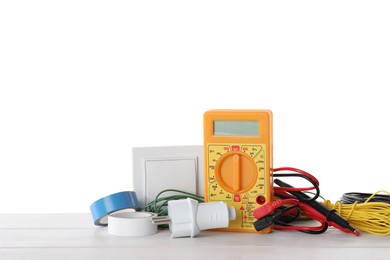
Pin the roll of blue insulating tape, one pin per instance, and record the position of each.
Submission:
(112, 203)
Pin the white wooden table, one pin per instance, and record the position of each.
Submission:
(73, 236)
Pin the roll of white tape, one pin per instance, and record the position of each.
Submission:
(130, 223)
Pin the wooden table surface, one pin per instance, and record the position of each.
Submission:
(73, 236)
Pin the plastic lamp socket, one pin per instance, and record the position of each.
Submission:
(188, 217)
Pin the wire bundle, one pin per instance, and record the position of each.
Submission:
(367, 212)
(159, 204)
(285, 191)
(294, 203)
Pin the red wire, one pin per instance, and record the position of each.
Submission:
(309, 213)
(293, 189)
(306, 209)
(307, 228)
(297, 171)
(314, 179)
(284, 191)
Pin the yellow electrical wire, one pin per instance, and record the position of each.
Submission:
(371, 217)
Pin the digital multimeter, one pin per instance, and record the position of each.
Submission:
(238, 162)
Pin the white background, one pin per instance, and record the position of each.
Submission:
(82, 82)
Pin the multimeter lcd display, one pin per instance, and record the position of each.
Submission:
(236, 128)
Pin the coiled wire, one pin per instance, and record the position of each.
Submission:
(367, 212)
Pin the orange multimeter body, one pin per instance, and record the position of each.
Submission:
(238, 162)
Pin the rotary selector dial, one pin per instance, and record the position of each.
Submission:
(236, 172)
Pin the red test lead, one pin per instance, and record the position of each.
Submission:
(294, 203)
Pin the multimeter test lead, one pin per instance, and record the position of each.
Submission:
(325, 214)
(294, 203)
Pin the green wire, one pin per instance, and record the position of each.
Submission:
(159, 204)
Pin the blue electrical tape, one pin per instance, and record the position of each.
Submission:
(101, 208)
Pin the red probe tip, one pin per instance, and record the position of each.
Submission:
(356, 233)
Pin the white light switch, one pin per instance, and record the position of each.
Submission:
(159, 168)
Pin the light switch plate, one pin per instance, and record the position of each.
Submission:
(170, 167)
